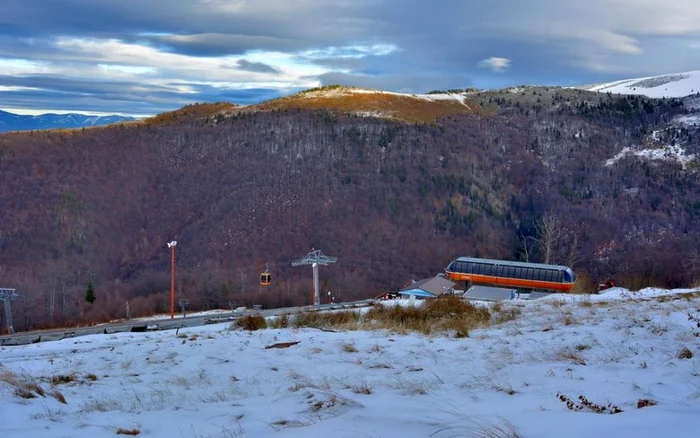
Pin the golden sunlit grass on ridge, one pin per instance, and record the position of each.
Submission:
(197, 110)
(404, 107)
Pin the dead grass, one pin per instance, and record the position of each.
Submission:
(58, 396)
(362, 388)
(684, 353)
(62, 379)
(442, 314)
(571, 356)
(191, 112)
(349, 348)
(329, 320)
(282, 321)
(252, 322)
(445, 313)
(644, 402)
(503, 314)
(24, 387)
(341, 99)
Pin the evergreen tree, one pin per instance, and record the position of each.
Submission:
(90, 293)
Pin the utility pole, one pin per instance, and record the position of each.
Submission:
(7, 295)
(315, 258)
(171, 245)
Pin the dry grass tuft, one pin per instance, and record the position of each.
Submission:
(349, 348)
(504, 314)
(252, 322)
(571, 356)
(133, 432)
(568, 319)
(58, 396)
(282, 321)
(362, 388)
(62, 379)
(445, 313)
(472, 427)
(338, 320)
(684, 353)
(25, 387)
(644, 402)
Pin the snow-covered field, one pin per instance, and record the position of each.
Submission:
(506, 380)
(670, 85)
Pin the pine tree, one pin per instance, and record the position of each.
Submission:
(90, 293)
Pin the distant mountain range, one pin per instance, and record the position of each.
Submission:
(18, 122)
(669, 85)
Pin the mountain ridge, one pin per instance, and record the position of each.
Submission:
(11, 122)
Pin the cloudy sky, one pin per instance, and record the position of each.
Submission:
(149, 56)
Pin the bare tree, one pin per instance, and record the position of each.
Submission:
(523, 248)
(550, 233)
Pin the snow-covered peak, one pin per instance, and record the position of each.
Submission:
(669, 85)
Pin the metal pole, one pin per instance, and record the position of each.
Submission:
(171, 245)
(317, 297)
(8, 318)
(172, 282)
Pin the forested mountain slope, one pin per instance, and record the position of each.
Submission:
(395, 198)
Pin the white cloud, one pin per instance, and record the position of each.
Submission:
(351, 51)
(494, 63)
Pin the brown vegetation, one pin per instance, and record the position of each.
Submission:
(239, 189)
(406, 108)
(442, 314)
(252, 322)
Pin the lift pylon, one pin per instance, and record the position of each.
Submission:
(315, 258)
(7, 295)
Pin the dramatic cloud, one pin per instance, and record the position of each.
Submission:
(157, 55)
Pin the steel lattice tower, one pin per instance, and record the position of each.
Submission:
(315, 258)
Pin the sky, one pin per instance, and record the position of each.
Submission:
(148, 56)
(615, 349)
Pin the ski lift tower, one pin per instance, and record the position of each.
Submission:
(7, 295)
(315, 258)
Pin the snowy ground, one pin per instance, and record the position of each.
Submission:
(671, 85)
(615, 349)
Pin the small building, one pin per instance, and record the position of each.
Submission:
(428, 288)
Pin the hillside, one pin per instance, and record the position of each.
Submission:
(632, 357)
(374, 103)
(242, 187)
(16, 122)
(662, 86)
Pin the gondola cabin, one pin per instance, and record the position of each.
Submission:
(265, 277)
(507, 274)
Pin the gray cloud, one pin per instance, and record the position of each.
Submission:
(258, 67)
(162, 54)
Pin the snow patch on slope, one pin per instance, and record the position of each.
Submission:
(670, 85)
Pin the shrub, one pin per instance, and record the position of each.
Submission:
(63, 378)
(252, 322)
(346, 319)
(446, 313)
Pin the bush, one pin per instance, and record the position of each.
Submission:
(345, 319)
(252, 322)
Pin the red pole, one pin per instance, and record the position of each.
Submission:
(172, 281)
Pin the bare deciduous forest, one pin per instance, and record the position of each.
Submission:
(524, 177)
